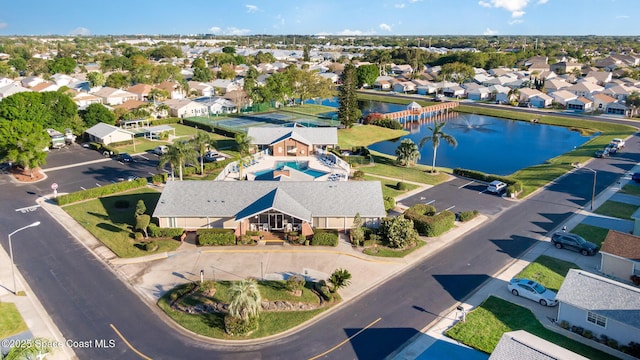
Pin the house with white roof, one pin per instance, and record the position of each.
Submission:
(477, 92)
(563, 96)
(31, 81)
(581, 104)
(523, 345)
(555, 85)
(113, 96)
(601, 305)
(8, 90)
(296, 141)
(200, 88)
(427, 89)
(108, 134)
(174, 89)
(222, 86)
(404, 87)
(186, 107)
(541, 100)
(269, 205)
(619, 92)
(453, 91)
(585, 88)
(83, 99)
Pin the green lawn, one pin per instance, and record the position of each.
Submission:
(270, 323)
(616, 209)
(631, 189)
(311, 109)
(486, 324)
(548, 271)
(383, 251)
(591, 233)
(365, 135)
(386, 166)
(113, 226)
(389, 186)
(11, 322)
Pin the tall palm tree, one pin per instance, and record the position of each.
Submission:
(514, 95)
(177, 155)
(245, 299)
(200, 143)
(243, 142)
(340, 278)
(407, 152)
(436, 135)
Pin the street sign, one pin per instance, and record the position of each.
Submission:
(54, 186)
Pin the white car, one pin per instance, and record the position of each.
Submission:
(533, 291)
(159, 150)
(496, 187)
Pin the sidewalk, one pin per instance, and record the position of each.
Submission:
(498, 285)
(35, 316)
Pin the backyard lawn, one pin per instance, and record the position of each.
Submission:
(548, 271)
(591, 233)
(486, 324)
(631, 189)
(365, 135)
(386, 166)
(616, 209)
(11, 322)
(270, 323)
(389, 187)
(113, 226)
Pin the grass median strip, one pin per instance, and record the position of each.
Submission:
(616, 209)
(11, 322)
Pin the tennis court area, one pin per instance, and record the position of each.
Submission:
(243, 122)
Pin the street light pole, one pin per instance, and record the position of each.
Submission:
(593, 192)
(13, 266)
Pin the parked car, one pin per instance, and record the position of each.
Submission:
(618, 142)
(564, 240)
(533, 291)
(212, 156)
(159, 150)
(124, 157)
(601, 153)
(496, 187)
(636, 177)
(611, 148)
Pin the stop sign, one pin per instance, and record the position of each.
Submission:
(54, 186)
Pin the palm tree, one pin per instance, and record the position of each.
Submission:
(177, 155)
(436, 135)
(340, 278)
(37, 348)
(201, 142)
(245, 299)
(407, 152)
(514, 95)
(243, 142)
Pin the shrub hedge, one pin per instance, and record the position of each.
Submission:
(467, 215)
(219, 237)
(427, 223)
(100, 191)
(389, 202)
(159, 178)
(156, 231)
(102, 148)
(402, 186)
(325, 237)
(513, 186)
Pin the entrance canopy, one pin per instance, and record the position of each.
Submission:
(277, 200)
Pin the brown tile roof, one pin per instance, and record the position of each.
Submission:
(140, 89)
(41, 86)
(622, 244)
(131, 104)
(604, 98)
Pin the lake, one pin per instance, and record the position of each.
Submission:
(491, 145)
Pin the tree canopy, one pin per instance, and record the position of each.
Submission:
(367, 74)
(23, 142)
(348, 111)
(97, 113)
(50, 109)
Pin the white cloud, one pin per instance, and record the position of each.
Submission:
(484, 4)
(3, 25)
(414, 1)
(542, 2)
(349, 32)
(516, 21)
(399, 6)
(80, 31)
(622, 17)
(515, 7)
(251, 8)
(215, 30)
(385, 27)
(236, 31)
(489, 32)
(517, 14)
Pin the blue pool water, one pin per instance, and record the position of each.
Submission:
(302, 166)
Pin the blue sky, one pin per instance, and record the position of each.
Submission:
(314, 17)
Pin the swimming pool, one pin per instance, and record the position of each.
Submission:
(301, 166)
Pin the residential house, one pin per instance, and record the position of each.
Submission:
(565, 67)
(456, 91)
(108, 134)
(4, 81)
(286, 141)
(523, 345)
(174, 89)
(31, 81)
(383, 83)
(141, 91)
(62, 79)
(269, 205)
(554, 85)
(186, 108)
(45, 86)
(112, 96)
(201, 89)
(132, 104)
(404, 87)
(541, 100)
(222, 86)
(217, 104)
(619, 92)
(620, 255)
(616, 108)
(598, 77)
(427, 89)
(500, 93)
(83, 99)
(330, 76)
(525, 94)
(585, 88)
(478, 93)
(601, 305)
(581, 104)
(563, 96)
(601, 101)
(8, 90)
(401, 69)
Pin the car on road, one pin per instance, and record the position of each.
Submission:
(533, 291)
(160, 150)
(569, 241)
(496, 187)
(618, 142)
(601, 153)
(124, 157)
(636, 177)
(611, 149)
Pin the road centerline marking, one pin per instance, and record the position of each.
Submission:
(129, 344)
(346, 340)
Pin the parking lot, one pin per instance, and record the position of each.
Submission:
(461, 195)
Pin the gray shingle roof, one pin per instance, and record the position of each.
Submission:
(279, 200)
(603, 296)
(102, 130)
(265, 135)
(522, 345)
(231, 198)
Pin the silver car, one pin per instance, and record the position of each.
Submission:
(533, 291)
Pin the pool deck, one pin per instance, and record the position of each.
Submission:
(266, 162)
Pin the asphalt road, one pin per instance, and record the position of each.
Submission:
(85, 299)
